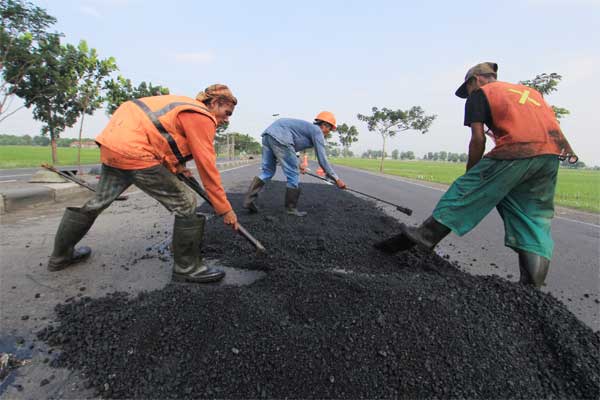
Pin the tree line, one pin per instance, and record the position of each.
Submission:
(27, 140)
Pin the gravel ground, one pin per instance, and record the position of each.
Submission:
(333, 318)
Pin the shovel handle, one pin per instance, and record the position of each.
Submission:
(193, 184)
(404, 210)
(258, 245)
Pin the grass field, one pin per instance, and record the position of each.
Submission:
(33, 156)
(578, 189)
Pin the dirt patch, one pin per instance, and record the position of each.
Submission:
(333, 318)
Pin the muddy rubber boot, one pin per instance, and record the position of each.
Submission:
(252, 194)
(73, 226)
(426, 236)
(187, 242)
(534, 269)
(291, 202)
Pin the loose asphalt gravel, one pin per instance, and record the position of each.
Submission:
(333, 318)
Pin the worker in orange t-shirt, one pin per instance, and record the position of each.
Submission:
(518, 177)
(147, 142)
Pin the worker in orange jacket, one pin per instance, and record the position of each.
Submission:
(146, 142)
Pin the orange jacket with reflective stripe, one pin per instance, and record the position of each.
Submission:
(524, 125)
(132, 133)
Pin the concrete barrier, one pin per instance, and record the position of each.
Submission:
(15, 199)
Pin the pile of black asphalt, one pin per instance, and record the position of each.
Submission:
(333, 318)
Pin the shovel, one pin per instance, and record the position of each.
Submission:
(193, 184)
(404, 210)
(75, 180)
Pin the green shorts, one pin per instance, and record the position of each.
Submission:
(522, 191)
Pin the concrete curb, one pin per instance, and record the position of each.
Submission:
(33, 194)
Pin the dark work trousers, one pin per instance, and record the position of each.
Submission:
(158, 182)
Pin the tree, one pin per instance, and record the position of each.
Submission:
(463, 157)
(50, 87)
(332, 147)
(443, 155)
(395, 154)
(121, 90)
(22, 27)
(41, 141)
(91, 73)
(348, 135)
(389, 122)
(242, 142)
(546, 84)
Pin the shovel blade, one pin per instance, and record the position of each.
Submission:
(394, 244)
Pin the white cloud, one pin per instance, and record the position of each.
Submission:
(96, 8)
(88, 10)
(202, 57)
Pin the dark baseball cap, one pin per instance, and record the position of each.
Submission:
(479, 69)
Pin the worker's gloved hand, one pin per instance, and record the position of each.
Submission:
(340, 183)
(230, 219)
(302, 169)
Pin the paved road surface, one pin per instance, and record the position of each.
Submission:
(573, 278)
(123, 234)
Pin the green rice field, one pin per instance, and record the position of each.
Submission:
(578, 189)
(33, 156)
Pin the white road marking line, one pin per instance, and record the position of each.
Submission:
(12, 176)
(11, 180)
(241, 166)
(579, 222)
(225, 170)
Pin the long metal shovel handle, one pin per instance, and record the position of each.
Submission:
(404, 210)
(195, 186)
(75, 180)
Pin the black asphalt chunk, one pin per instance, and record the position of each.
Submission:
(333, 318)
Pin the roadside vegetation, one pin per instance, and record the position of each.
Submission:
(576, 188)
(34, 156)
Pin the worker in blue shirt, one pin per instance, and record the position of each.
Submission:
(280, 142)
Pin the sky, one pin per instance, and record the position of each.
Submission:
(298, 58)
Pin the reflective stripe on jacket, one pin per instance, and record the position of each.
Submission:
(132, 133)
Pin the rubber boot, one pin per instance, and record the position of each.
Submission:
(291, 202)
(426, 236)
(252, 194)
(534, 268)
(73, 227)
(187, 243)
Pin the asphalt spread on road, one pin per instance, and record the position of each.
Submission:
(333, 318)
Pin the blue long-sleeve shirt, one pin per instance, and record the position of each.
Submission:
(301, 135)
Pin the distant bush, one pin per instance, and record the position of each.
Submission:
(13, 140)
